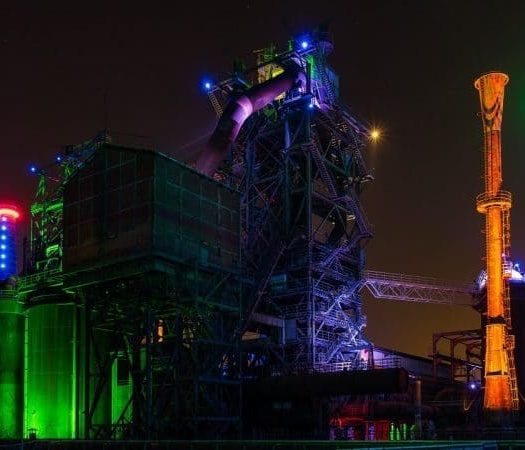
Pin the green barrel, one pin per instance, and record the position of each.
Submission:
(51, 376)
(12, 327)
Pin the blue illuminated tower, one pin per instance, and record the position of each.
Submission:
(8, 219)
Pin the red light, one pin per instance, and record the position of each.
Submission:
(10, 212)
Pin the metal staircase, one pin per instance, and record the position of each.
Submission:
(323, 172)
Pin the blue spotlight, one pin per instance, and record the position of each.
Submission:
(310, 105)
(58, 158)
(207, 85)
(304, 45)
(472, 386)
(32, 169)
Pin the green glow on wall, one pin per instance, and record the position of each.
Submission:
(51, 371)
(12, 324)
(121, 389)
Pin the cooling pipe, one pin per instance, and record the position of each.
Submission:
(330, 384)
(238, 110)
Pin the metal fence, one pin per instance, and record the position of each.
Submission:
(260, 445)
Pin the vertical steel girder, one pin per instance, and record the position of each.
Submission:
(193, 367)
(304, 229)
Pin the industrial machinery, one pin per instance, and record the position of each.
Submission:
(501, 390)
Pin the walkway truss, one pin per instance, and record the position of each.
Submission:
(392, 286)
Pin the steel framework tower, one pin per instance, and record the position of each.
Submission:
(45, 247)
(299, 167)
(501, 392)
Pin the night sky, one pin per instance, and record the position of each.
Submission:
(407, 66)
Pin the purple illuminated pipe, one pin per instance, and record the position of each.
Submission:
(238, 110)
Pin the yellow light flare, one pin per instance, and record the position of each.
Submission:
(375, 134)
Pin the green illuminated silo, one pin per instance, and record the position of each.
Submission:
(11, 368)
(51, 377)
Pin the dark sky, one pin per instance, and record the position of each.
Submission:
(406, 65)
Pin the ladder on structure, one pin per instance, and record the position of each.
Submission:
(512, 375)
(510, 340)
(215, 103)
(509, 346)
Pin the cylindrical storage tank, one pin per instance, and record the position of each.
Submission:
(8, 218)
(12, 327)
(51, 375)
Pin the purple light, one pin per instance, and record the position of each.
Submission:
(472, 386)
(58, 158)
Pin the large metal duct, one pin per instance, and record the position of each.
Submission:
(238, 111)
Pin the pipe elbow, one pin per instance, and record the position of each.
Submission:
(239, 110)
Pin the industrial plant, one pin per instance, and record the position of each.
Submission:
(222, 298)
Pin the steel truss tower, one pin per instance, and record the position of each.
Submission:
(45, 247)
(299, 166)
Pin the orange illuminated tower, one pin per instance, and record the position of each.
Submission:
(501, 394)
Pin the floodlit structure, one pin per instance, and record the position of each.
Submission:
(501, 391)
(158, 301)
